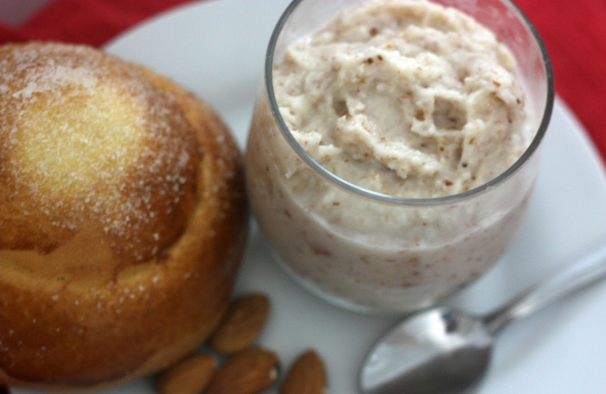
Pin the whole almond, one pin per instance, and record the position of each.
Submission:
(250, 371)
(190, 376)
(307, 376)
(242, 324)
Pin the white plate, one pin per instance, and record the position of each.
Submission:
(216, 49)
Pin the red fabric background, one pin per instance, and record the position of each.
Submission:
(574, 33)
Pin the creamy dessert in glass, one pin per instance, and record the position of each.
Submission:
(393, 147)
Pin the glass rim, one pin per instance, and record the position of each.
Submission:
(393, 200)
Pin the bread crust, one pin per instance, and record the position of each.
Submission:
(77, 312)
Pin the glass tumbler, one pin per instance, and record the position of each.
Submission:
(372, 252)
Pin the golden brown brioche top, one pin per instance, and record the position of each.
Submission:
(88, 144)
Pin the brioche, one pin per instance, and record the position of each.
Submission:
(122, 219)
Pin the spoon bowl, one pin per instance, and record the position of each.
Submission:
(440, 350)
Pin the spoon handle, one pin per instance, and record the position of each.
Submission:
(589, 269)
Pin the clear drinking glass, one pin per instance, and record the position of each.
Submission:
(421, 250)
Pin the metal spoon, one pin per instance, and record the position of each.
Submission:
(442, 350)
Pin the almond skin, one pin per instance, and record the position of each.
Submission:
(190, 376)
(307, 376)
(243, 321)
(250, 371)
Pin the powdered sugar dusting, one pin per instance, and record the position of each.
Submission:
(87, 138)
